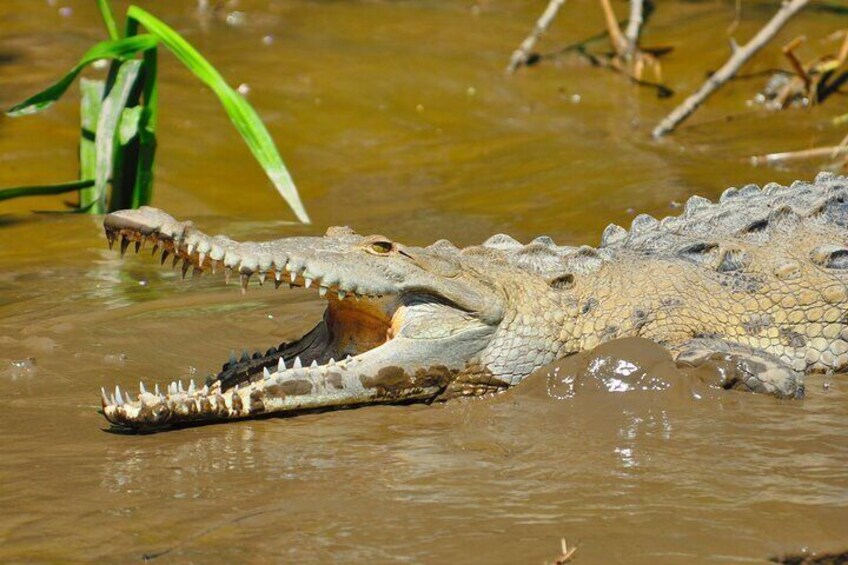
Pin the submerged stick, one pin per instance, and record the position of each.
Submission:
(739, 58)
(634, 24)
(522, 54)
(619, 42)
(772, 158)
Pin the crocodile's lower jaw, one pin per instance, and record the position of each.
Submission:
(344, 361)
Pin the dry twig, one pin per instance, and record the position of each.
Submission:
(813, 82)
(522, 54)
(816, 152)
(740, 56)
(629, 58)
(567, 554)
(634, 24)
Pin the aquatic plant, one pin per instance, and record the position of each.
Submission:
(118, 117)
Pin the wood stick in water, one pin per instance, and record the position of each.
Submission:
(520, 55)
(816, 152)
(634, 24)
(740, 56)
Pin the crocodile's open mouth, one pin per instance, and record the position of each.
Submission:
(369, 348)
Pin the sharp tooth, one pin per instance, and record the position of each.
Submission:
(112, 399)
(141, 388)
(348, 358)
(163, 256)
(190, 248)
(297, 363)
(233, 359)
(293, 276)
(277, 275)
(155, 248)
(118, 398)
(175, 260)
(180, 386)
(341, 294)
(125, 242)
(262, 278)
(307, 282)
(156, 389)
(110, 238)
(103, 398)
(185, 267)
(244, 280)
(191, 387)
(205, 390)
(281, 365)
(322, 290)
(214, 265)
(331, 361)
(137, 245)
(266, 374)
(227, 272)
(200, 258)
(245, 356)
(314, 364)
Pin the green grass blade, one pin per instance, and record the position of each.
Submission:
(121, 49)
(18, 191)
(91, 96)
(109, 19)
(143, 191)
(128, 124)
(242, 114)
(107, 130)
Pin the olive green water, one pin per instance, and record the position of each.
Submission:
(394, 117)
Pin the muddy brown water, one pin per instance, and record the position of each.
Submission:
(394, 117)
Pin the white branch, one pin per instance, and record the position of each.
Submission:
(739, 58)
(520, 55)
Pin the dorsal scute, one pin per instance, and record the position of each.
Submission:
(695, 204)
(749, 214)
(704, 232)
(613, 233)
(541, 256)
(643, 223)
(502, 241)
(444, 247)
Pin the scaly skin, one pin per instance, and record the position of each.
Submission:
(758, 281)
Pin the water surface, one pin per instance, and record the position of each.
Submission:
(394, 117)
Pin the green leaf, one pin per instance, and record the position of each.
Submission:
(122, 49)
(109, 19)
(143, 190)
(91, 92)
(107, 130)
(18, 191)
(128, 124)
(242, 114)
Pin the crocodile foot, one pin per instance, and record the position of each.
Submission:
(742, 368)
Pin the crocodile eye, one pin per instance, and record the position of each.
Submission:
(381, 247)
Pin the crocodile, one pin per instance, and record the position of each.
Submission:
(757, 281)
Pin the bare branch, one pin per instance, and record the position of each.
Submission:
(816, 152)
(520, 55)
(788, 9)
(617, 38)
(634, 24)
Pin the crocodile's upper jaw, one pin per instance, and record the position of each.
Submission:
(393, 347)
